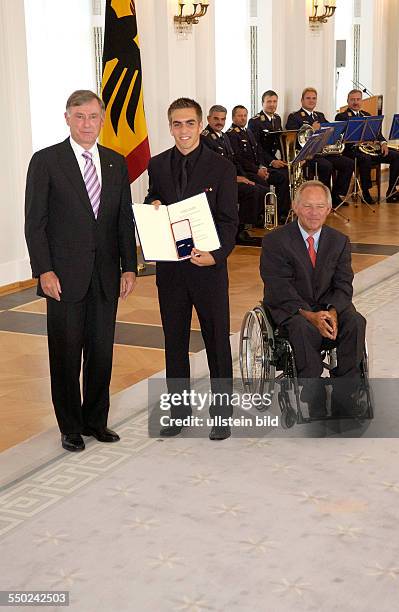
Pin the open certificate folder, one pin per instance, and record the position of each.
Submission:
(170, 232)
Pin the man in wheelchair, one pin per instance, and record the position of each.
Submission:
(307, 274)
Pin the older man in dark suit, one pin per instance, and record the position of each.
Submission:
(80, 235)
(188, 169)
(306, 269)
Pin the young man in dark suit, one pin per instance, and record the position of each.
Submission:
(326, 164)
(306, 270)
(187, 169)
(80, 236)
(365, 161)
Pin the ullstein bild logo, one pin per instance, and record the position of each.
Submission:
(218, 421)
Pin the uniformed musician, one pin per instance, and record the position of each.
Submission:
(250, 156)
(251, 196)
(364, 161)
(326, 164)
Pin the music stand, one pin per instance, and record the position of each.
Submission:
(354, 135)
(314, 145)
(338, 130)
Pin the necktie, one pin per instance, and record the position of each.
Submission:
(311, 251)
(272, 123)
(92, 183)
(183, 176)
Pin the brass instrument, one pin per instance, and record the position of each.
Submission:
(271, 209)
(335, 149)
(370, 148)
(304, 133)
(288, 148)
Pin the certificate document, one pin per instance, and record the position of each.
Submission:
(170, 232)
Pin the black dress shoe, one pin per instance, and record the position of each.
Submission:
(368, 197)
(393, 198)
(220, 433)
(102, 435)
(244, 239)
(170, 430)
(72, 442)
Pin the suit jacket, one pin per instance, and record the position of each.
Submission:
(296, 120)
(246, 150)
(214, 175)
(61, 231)
(290, 280)
(261, 126)
(221, 145)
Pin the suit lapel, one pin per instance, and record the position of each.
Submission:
(201, 169)
(106, 179)
(168, 184)
(70, 167)
(322, 253)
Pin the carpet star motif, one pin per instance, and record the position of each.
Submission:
(391, 486)
(389, 572)
(55, 538)
(309, 497)
(282, 467)
(345, 531)
(262, 545)
(357, 458)
(68, 578)
(166, 560)
(292, 587)
(142, 524)
(193, 605)
(233, 509)
(258, 443)
(179, 452)
(122, 490)
(199, 479)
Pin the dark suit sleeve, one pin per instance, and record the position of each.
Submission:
(226, 215)
(126, 232)
(36, 215)
(152, 193)
(245, 163)
(256, 128)
(278, 275)
(293, 122)
(341, 288)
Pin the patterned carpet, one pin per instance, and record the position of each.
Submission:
(186, 524)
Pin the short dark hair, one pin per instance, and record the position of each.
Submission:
(236, 108)
(217, 108)
(185, 103)
(82, 96)
(352, 91)
(268, 94)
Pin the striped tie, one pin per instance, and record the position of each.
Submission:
(92, 183)
(311, 250)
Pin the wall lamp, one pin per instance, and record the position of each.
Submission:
(184, 23)
(316, 18)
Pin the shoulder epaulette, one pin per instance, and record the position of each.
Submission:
(205, 132)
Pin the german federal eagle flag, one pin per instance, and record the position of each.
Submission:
(124, 127)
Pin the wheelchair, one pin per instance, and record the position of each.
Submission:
(266, 358)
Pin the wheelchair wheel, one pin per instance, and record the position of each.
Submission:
(256, 353)
(288, 416)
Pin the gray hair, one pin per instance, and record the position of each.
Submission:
(217, 108)
(307, 185)
(82, 96)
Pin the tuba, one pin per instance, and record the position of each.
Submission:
(288, 147)
(271, 209)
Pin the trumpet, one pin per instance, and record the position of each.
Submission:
(271, 209)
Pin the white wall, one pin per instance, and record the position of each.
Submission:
(60, 60)
(232, 55)
(15, 144)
